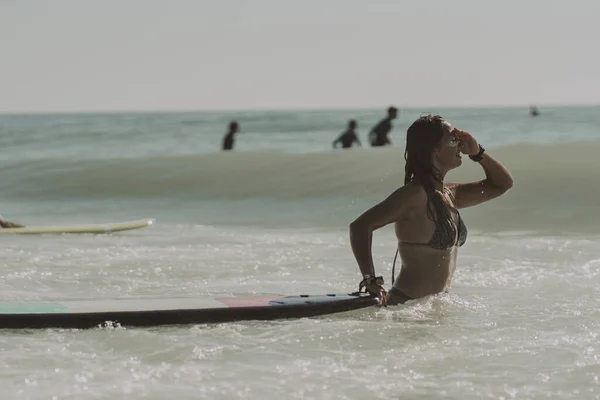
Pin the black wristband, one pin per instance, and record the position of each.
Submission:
(378, 280)
(479, 156)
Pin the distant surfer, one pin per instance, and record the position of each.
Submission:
(428, 226)
(380, 133)
(7, 224)
(229, 138)
(533, 111)
(348, 138)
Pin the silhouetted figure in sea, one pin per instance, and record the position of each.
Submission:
(533, 111)
(229, 138)
(7, 224)
(349, 137)
(379, 135)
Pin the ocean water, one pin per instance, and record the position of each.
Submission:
(521, 321)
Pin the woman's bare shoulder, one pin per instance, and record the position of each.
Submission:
(409, 195)
(411, 191)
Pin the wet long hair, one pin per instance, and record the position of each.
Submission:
(422, 137)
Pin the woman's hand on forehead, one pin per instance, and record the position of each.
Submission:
(467, 141)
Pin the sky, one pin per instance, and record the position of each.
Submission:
(147, 55)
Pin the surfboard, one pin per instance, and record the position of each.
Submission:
(89, 228)
(84, 314)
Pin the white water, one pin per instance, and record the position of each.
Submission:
(521, 320)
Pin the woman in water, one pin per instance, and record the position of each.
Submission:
(425, 211)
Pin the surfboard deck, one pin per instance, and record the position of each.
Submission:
(89, 228)
(84, 314)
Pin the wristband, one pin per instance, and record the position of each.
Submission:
(479, 156)
(378, 280)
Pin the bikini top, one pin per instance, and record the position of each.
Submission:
(447, 234)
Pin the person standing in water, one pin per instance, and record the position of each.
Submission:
(7, 224)
(533, 111)
(428, 226)
(349, 137)
(229, 138)
(380, 133)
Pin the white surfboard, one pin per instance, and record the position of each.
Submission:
(84, 228)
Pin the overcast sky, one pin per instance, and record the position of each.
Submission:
(80, 55)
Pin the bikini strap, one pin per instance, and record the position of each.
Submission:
(394, 265)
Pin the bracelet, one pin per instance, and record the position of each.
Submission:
(368, 280)
(479, 156)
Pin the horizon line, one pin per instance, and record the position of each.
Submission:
(291, 109)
